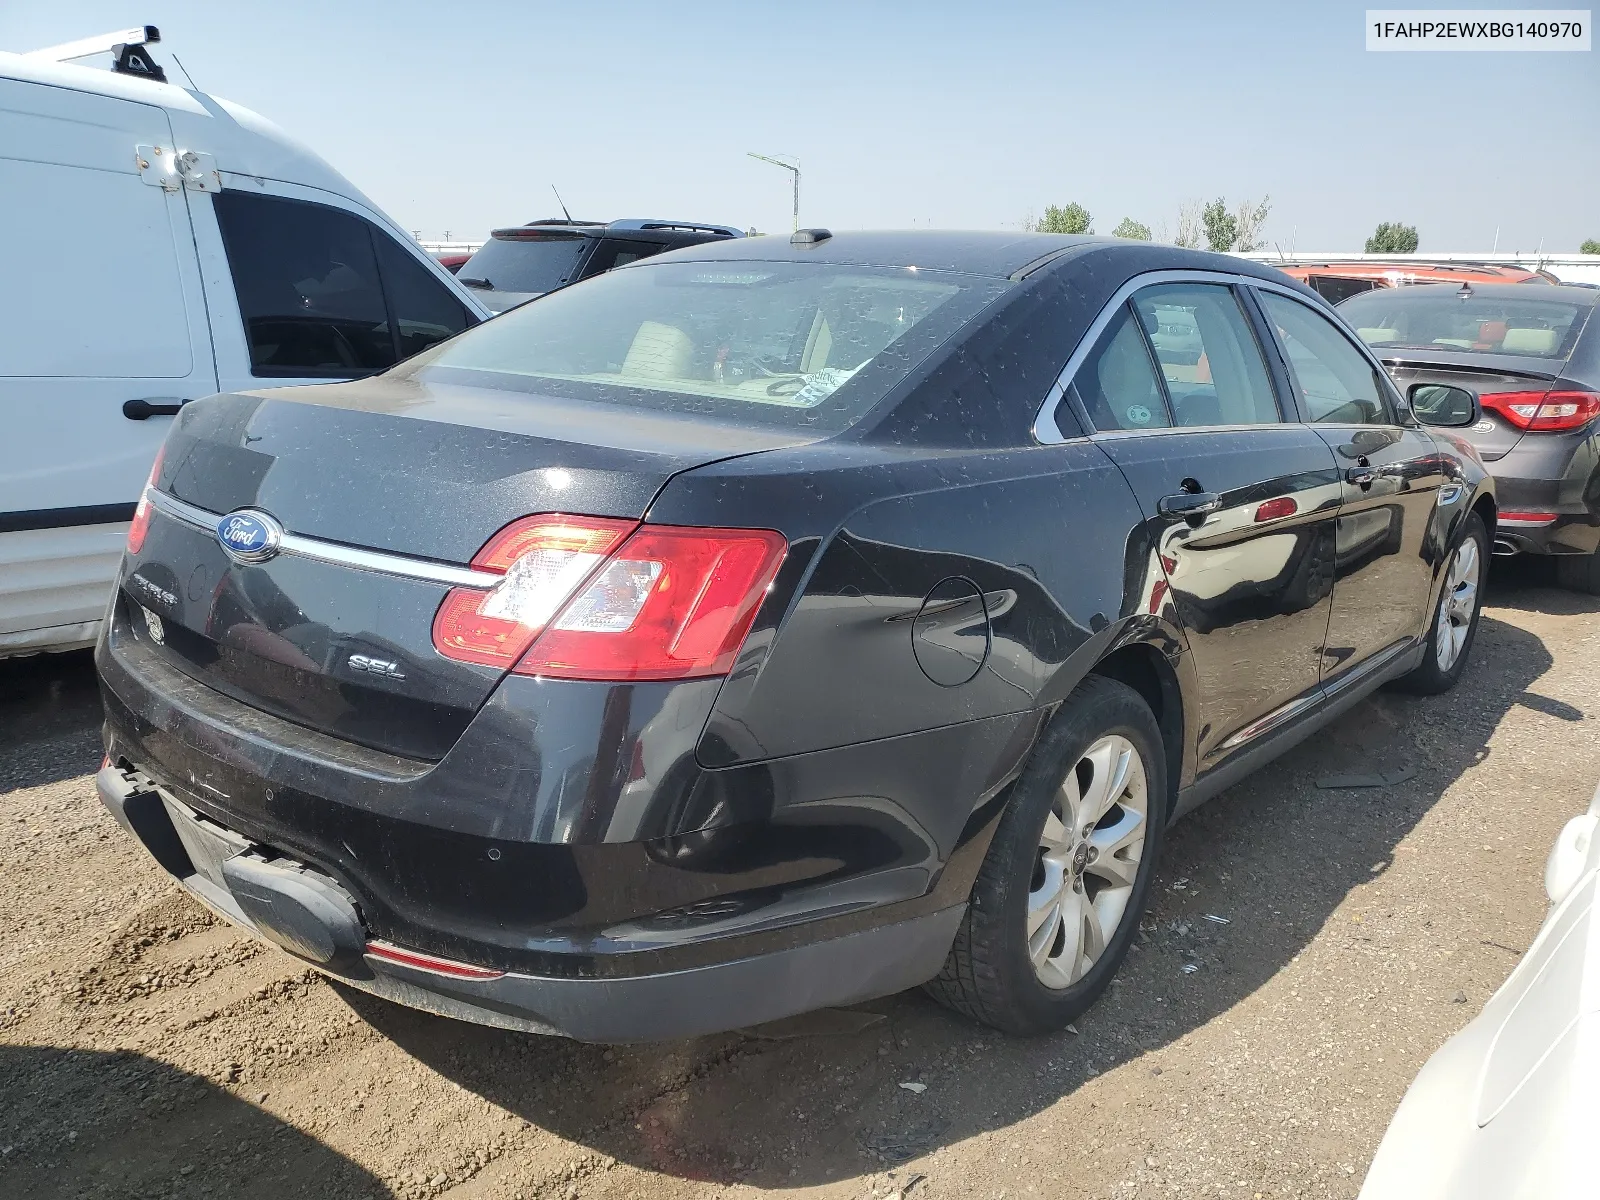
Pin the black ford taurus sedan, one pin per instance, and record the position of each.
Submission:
(775, 624)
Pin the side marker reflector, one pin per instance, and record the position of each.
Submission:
(417, 961)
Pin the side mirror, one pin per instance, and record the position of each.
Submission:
(1441, 405)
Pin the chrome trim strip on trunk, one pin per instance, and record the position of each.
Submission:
(180, 510)
(335, 553)
(385, 564)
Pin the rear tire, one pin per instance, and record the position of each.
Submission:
(1579, 572)
(1057, 900)
(1455, 617)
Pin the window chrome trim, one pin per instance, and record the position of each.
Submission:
(1045, 429)
(335, 553)
(1119, 434)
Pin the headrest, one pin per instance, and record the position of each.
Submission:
(1529, 341)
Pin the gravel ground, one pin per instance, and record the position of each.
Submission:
(147, 1050)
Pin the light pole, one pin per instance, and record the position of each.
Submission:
(787, 166)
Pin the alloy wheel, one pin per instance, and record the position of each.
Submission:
(1457, 604)
(1088, 861)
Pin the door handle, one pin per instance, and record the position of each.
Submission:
(1363, 475)
(1189, 504)
(155, 406)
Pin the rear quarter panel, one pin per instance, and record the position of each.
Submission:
(1047, 552)
(1050, 538)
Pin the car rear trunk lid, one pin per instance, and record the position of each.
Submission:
(385, 490)
(1492, 436)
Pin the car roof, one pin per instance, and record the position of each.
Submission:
(634, 229)
(242, 142)
(969, 252)
(1369, 269)
(1565, 292)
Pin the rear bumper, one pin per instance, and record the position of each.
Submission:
(272, 903)
(1567, 534)
(636, 908)
(1550, 473)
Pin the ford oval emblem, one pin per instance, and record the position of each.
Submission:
(249, 536)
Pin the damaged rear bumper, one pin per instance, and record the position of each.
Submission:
(311, 915)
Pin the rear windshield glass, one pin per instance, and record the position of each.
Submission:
(1442, 319)
(1336, 288)
(524, 264)
(775, 343)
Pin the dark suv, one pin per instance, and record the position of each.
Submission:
(525, 261)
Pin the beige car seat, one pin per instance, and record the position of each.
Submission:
(1529, 341)
(658, 352)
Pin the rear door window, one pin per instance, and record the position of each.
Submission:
(1336, 382)
(313, 297)
(1209, 357)
(1117, 383)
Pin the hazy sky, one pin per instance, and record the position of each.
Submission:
(460, 116)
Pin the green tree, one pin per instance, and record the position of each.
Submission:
(1132, 230)
(1221, 226)
(1074, 218)
(1392, 237)
(1592, 246)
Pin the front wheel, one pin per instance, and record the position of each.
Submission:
(1455, 617)
(1065, 881)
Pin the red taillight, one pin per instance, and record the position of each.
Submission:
(1535, 412)
(1527, 520)
(581, 599)
(543, 560)
(141, 511)
(673, 603)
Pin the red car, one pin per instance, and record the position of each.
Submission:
(1337, 281)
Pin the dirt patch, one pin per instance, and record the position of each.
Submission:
(148, 1050)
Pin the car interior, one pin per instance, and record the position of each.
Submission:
(789, 342)
(1538, 330)
(1211, 365)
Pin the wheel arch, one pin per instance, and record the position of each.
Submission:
(1144, 668)
(1486, 508)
